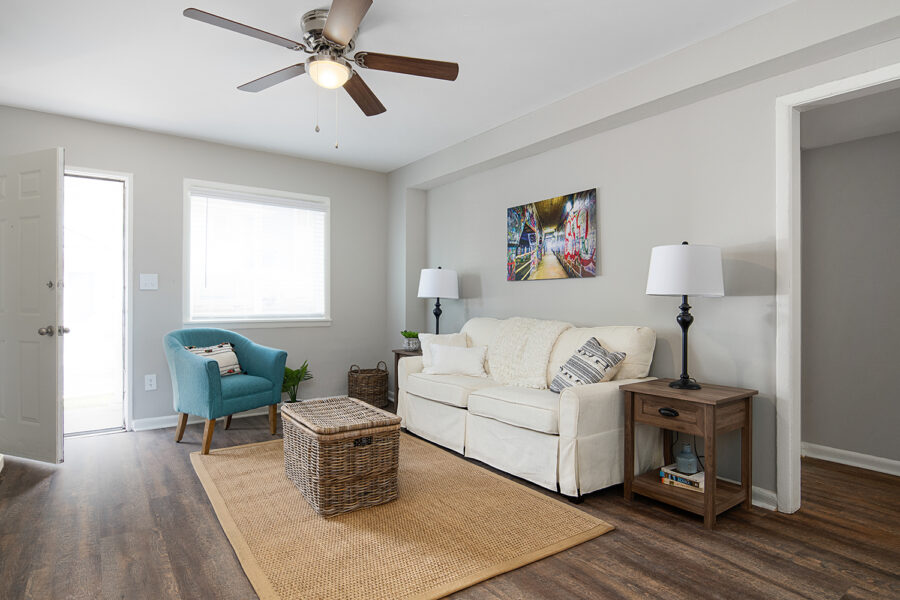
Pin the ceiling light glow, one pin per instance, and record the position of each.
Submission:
(330, 72)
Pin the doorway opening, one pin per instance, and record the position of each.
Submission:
(788, 215)
(94, 303)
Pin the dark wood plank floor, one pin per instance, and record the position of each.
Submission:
(125, 517)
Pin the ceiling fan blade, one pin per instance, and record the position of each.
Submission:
(267, 81)
(205, 17)
(411, 66)
(363, 96)
(344, 18)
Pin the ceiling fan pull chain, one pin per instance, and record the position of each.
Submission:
(318, 91)
(335, 119)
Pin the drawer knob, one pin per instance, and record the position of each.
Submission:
(668, 412)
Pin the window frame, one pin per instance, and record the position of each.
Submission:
(278, 196)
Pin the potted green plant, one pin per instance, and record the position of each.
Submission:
(293, 378)
(410, 340)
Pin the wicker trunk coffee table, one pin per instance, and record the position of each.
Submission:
(341, 453)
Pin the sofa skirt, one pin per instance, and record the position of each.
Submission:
(440, 423)
(521, 452)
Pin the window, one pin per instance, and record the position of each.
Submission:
(255, 255)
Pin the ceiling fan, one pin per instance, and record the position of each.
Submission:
(329, 35)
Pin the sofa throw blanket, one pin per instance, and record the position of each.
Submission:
(521, 351)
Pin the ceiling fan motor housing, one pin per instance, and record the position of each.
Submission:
(313, 23)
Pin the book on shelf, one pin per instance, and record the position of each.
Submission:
(678, 484)
(695, 480)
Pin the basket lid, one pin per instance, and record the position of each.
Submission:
(334, 415)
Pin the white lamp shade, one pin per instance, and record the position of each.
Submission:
(685, 270)
(438, 283)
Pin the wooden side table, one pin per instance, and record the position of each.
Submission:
(398, 354)
(706, 412)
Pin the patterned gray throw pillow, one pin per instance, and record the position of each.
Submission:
(592, 363)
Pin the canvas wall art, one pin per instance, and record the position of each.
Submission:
(553, 239)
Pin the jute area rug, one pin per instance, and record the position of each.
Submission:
(453, 525)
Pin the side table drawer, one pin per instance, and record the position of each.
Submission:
(668, 413)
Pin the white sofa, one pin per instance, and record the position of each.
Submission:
(572, 442)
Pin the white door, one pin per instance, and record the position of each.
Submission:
(31, 194)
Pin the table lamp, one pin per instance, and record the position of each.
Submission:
(438, 283)
(685, 270)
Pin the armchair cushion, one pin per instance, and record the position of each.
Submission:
(244, 385)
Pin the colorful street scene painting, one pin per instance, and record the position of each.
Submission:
(553, 239)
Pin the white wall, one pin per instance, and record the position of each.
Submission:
(851, 283)
(682, 149)
(160, 163)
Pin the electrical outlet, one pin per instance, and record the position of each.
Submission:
(149, 383)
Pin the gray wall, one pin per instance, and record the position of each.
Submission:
(851, 287)
(680, 149)
(160, 163)
(654, 186)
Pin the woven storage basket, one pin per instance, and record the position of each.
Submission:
(369, 385)
(341, 453)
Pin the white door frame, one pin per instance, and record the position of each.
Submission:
(127, 330)
(788, 271)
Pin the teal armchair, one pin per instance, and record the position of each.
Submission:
(199, 390)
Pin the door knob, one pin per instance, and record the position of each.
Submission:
(61, 330)
(48, 330)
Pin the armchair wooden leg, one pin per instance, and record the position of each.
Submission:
(227, 421)
(179, 430)
(273, 418)
(207, 434)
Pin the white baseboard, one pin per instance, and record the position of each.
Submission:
(760, 497)
(853, 459)
(172, 420)
(764, 498)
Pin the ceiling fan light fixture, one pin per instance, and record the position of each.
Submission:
(328, 71)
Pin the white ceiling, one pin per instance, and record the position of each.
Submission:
(144, 65)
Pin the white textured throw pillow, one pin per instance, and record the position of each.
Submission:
(429, 340)
(223, 354)
(453, 360)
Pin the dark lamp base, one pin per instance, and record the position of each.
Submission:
(681, 384)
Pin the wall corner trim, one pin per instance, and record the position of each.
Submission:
(853, 459)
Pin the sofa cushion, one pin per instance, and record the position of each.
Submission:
(427, 340)
(446, 389)
(449, 360)
(533, 409)
(636, 342)
(481, 331)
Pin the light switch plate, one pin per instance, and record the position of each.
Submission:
(149, 383)
(149, 281)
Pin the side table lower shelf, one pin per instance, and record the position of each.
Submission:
(727, 494)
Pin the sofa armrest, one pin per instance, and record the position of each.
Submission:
(594, 408)
(407, 366)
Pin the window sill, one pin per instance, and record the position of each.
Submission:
(261, 323)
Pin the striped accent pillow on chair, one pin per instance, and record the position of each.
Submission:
(223, 354)
(592, 363)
